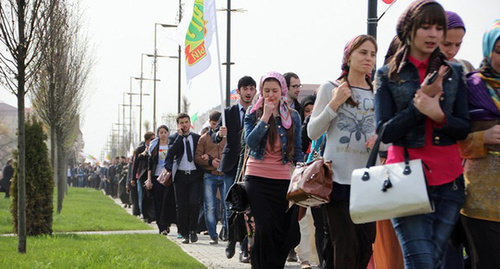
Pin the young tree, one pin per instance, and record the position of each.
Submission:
(23, 27)
(39, 201)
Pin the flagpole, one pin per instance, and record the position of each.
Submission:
(222, 104)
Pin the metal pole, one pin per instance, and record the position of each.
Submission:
(372, 24)
(123, 122)
(130, 117)
(140, 102)
(154, 85)
(119, 126)
(372, 18)
(179, 66)
(228, 55)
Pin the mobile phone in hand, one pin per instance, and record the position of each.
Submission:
(430, 79)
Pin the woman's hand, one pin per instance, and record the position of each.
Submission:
(437, 86)
(149, 183)
(339, 96)
(429, 106)
(371, 141)
(269, 108)
(492, 135)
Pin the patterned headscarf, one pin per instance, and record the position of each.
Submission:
(405, 22)
(347, 52)
(404, 31)
(490, 38)
(286, 118)
(486, 72)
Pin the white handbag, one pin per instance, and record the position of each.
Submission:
(388, 191)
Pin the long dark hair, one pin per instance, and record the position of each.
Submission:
(273, 130)
(356, 43)
(430, 13)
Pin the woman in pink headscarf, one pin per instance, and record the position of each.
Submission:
(272, 135)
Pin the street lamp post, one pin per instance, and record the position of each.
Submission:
(140, 105)
(154, 78)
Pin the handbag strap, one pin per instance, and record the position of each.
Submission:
(243, 167)
(373, 154)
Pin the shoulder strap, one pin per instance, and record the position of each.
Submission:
(244, 166)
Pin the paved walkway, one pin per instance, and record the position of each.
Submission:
(212, 256)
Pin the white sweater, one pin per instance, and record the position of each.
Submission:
(347, 130)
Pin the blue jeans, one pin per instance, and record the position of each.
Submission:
(423, 238)
(210, 185)
(139, 193)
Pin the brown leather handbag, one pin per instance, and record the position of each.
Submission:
(311, 183)
(165, 177)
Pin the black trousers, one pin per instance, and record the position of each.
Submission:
(483, 237)
(188, 196)
(158, 193)
(276, 228)
(352, 243)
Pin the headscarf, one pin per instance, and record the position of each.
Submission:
(284, 112)
(404, 31)
(454, 21)
(490, 77)
(345, 57)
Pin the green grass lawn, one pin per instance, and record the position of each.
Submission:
(96, 251)
(91, 210)
(83, 210)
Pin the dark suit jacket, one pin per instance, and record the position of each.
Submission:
(176, 151)
(136, 160)
(230, 153)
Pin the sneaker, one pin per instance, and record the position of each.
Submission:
(214, 241)
(243, 258)
(185, 240)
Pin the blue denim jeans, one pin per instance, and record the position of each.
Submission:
(423, 237)
(139, 193)
(210, 185)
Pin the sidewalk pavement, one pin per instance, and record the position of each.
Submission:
(212, 256)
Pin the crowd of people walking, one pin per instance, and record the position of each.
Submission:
(450, 121)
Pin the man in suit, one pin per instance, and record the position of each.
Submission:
(187, 177)
(233, 132)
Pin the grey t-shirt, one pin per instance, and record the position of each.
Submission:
(347, 130)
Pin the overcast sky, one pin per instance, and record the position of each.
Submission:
(306, 37)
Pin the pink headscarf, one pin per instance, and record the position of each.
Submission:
(286, 118)
(345, 57)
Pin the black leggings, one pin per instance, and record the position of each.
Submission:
(483, 237)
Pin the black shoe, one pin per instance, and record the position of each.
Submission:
(185, 240)
(214, 241)
(230, 249)
(292, 256)
(193, 237)
(243, 258)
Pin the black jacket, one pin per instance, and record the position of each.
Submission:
(140, 164)
(176, 150)
(230, 153)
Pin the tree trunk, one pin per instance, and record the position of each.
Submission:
(21, 179)
(53, 151)
(60, 171)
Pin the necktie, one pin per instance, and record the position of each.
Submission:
(243, 118)
(188, 150)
